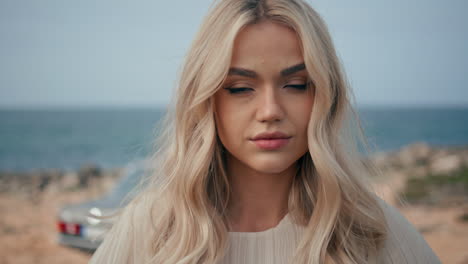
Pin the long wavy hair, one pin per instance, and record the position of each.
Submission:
(179, 216)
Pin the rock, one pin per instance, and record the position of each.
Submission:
(36, 184)
(70, 181)
(414, 154)
(88, 172)
(465, 160)
(419, 171)
(446, 164)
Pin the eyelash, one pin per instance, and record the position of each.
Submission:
(237, 90)
(231, 90)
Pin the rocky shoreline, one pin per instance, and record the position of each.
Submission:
(420, 159)
(425, 175)
(428, 184)
(33, 184)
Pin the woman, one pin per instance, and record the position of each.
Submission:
(257, 164)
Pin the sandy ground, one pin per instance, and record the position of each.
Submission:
(28, 232)
(442, 227)
(443, 230)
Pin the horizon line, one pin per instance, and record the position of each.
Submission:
(164, 106)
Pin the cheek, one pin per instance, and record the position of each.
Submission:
(300, 116)
(300, 112)
(227, 122)
(304, 120)
(224, 132)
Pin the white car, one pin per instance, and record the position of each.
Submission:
(76, 226)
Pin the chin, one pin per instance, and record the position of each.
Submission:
(271, 166)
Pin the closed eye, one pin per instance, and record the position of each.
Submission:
(298, 86)
(238, 90)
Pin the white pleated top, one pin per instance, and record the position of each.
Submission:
(404, 243)
(276, 245)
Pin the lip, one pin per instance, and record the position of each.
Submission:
(271, 135)
(271, 140)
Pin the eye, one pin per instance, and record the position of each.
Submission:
(298, 86)
(238, 90)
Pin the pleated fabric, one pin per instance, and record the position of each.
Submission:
(404, 244)
(274, 246)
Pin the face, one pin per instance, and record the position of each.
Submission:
(263, 108)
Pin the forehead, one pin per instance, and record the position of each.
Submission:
(266, 44)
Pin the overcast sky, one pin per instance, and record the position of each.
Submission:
(127, 53)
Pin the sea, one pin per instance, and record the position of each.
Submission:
(110, 138)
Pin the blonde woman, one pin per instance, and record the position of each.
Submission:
(257, 163)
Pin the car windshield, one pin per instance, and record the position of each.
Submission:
(127, 183)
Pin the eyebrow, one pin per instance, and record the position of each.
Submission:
(293, 69)
(242, 72)
(251, 74)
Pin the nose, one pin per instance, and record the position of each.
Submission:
(269, 106)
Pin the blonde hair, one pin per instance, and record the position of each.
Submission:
(183, 205)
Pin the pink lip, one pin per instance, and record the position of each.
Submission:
(271, 140)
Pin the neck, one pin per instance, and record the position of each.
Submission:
(258, 201)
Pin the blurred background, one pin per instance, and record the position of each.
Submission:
(84, 83)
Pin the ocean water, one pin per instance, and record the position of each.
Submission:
(67, 139)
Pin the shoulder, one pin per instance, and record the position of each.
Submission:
(404, 243)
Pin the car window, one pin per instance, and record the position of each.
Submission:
(127, 184)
